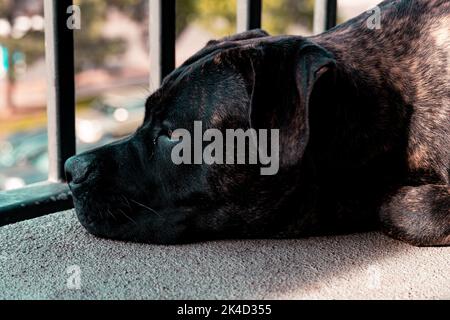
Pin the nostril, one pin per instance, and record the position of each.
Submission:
(77, 169)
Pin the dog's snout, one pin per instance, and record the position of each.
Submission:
(78, 169)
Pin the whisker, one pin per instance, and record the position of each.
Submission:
(101, 213)
(145, 207)
(122, 212)
(111, 214)
(126, 200)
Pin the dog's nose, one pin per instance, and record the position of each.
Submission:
(78, 168)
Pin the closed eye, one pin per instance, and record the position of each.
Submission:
(165, 133)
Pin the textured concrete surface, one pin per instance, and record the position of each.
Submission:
(36, 256)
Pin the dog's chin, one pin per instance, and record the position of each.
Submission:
(100, 225)
(111, 221)
(136, 226)
(104, 215)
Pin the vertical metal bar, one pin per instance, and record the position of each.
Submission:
(162, 40)
(248, 14)
(324, 15)
(59, 53)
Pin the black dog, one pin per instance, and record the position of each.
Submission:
(364, 119)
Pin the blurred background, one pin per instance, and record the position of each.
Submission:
(112, 68)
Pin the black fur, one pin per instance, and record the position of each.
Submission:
(364, 119)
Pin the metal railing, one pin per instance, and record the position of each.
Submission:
(325, 15)
(53, 195)
(249, 14)
(59, 55)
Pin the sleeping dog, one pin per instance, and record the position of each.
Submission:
(364, 138)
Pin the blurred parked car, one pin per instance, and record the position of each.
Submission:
(21, 146)
(24, 156)
(24, 160)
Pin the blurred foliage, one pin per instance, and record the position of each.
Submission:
(278, 15)
(93, 48)
(219, 16)
(185, 13)
(32, 43)
(3, 6)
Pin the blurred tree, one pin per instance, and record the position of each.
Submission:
(219, 16)
(186, 11)
(29, 43)
(93, 48)
(279, 15)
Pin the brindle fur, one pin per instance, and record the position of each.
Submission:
(364, 119)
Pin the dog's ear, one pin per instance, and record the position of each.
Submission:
(283, 77)
(250, 34)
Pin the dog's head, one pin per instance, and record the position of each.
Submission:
(132, 190)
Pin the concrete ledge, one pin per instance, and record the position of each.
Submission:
(35, 255)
